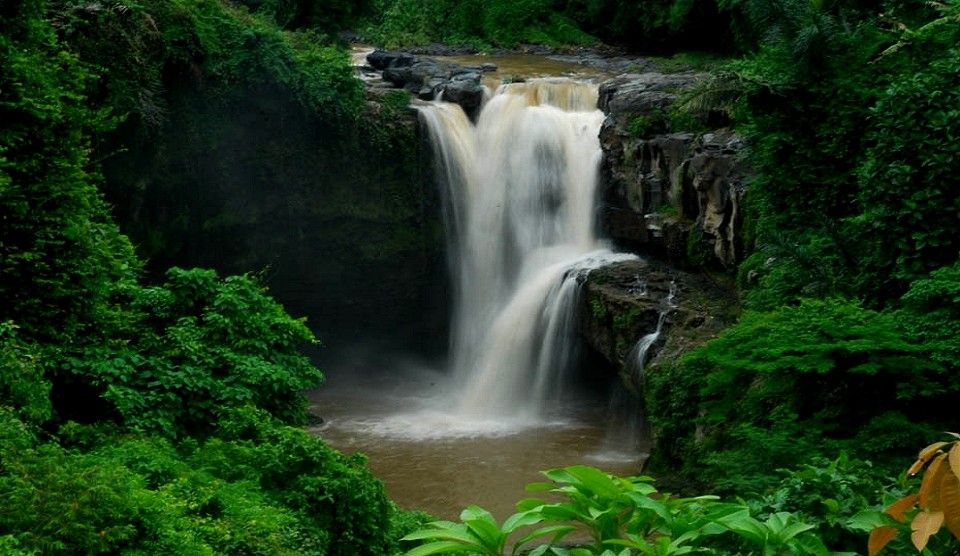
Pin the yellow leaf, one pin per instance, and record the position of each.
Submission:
(879, 538)
(955, 459)
(924, 526)
(950, 502)
(901, 506)
(931, 483)
(924, 457)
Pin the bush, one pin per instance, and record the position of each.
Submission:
(203, 346)
(789, 384)
(909, 204)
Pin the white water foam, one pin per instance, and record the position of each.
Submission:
(519, 196)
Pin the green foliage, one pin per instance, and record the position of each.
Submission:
(299, 470)
(328, 17)
(64, 264)
(645, 125)
(827, 494)
(624, 516)
(784, 385)
(203, 346)
(410, 22)
(149, 50)
(931, 314)
(909, 206)
(82, 338)
(23, 387)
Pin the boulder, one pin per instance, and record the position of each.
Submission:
(425, 77)
(464, 89)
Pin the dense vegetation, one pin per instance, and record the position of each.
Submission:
(152, 419)
(158, 412)
(850, 283)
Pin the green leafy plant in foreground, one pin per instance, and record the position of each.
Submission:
(625, 514)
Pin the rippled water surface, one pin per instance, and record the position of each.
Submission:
(433, 460)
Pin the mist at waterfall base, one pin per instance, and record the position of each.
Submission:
(516, 396)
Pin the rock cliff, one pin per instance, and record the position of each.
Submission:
(666, 190)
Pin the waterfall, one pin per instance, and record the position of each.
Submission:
(519, 192)
(627, 428)
(637, 357)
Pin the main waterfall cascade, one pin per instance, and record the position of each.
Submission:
(519, 194)
(519, 190)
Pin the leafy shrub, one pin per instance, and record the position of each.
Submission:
(337, 492)
(204, 346)
(827, 494)
(23, 387)
(624, 514)
(64, 264)
(909, 206)
(782, 386)
(931, 314)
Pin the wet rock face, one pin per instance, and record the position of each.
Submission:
(665, 191)
(623, 302)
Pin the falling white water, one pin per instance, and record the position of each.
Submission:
(626, 430)
(520, 190)
(637, 358)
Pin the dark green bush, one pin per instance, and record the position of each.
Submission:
(782, 386)
(203, 346)
(909, 202)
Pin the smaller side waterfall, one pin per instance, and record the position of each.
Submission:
(637, 357)
(627, 424)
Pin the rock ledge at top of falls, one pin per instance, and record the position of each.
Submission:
(664, 190)
(427, 78)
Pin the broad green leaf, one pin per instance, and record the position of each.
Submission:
(558, 475)
(595, 480)
(559, 511)
(528, 504)
(648, 503)
(782, 530)
(459, 534)
(558, 532)
(482, 524)
(745, 526)
(521, 519)
(866, 520)
(441, 547)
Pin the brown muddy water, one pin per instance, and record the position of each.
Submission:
(432, 459)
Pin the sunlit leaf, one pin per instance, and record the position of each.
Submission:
(924, 457)
(482, 524)
(595, 480)
(898, 509)
(950, 502)
(924, 526)
(459, 534)
(954, 458)
(879, 538)
(558, 532)
(931, 482)
(521, 519)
